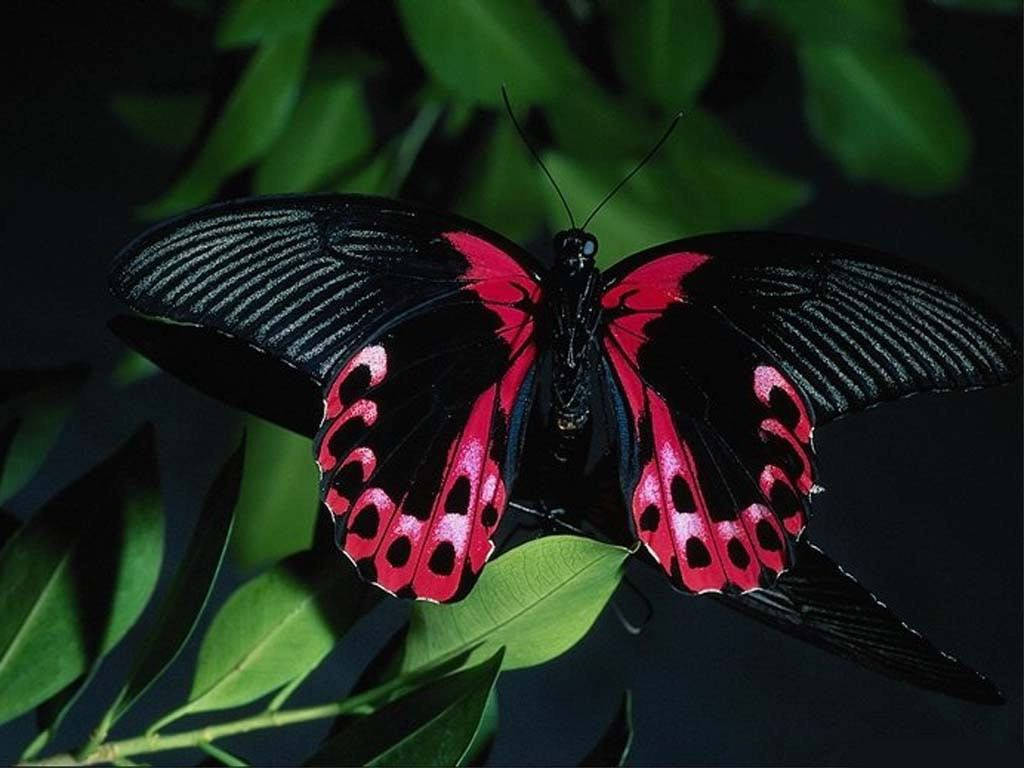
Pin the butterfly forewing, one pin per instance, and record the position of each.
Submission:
(418, 327)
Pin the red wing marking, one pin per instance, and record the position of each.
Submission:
(703, 549)
(430, 555)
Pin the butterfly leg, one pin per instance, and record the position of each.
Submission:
(550, 518)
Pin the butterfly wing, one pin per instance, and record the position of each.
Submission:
(419, 329)
(818, 601)
(729, 349)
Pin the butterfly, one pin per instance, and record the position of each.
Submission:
(447, 375)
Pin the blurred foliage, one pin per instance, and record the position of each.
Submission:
(402, 99)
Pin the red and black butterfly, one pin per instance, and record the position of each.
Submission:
(456, 372)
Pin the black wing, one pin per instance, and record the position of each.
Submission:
(819, 602)
(416, 327)
(852, 327)
(306, 280)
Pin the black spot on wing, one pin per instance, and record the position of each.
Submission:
(442, 561)
(697, 555)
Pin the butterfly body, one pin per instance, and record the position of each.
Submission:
(677, 391)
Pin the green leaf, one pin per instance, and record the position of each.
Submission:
(538, 600)
(666, 50)
(434, 725)
(33, 407)
(187, 596)
(877, 23)
(167, 121)
(249, 22)
(885, 116)
(132, 367)
(254, 116)
(705, 181)
(471, 47)
(614, 745)
(477, 751)
(504, 192)
(280, 496)
(329, 130)
(275, 627)
(994, 6)
(9, 524)
(77, 575)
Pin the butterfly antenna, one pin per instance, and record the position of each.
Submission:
(641, 164)
(526, 141)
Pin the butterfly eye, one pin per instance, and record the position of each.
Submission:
(589, 247)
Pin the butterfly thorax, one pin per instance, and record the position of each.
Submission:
(573, 311)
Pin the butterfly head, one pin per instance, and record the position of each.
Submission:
(575, 248)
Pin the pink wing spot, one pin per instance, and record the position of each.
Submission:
(771, 475)
(336, 503)
(375, 358)
(805, 480)
(655, 285)
(767, 379)
(765, 535)
(365, 458)
(372, 503)
(364, 410)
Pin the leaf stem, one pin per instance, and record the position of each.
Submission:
(360, 704)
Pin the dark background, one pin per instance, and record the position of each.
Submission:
(924, 496)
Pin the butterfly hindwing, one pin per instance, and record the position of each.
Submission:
(418, 328)
(421, 431)
(721, 474)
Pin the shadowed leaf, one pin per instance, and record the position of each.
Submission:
(186, 597)
(249, 22)
(329, 130)
(471, 47)
(503, 192)
(538, 600)
(614, 744)
(433, 725)
(77, 575)
(274, 628)
(33, 407)
(280, 497)
(666, 50)
(877, 23)
(254, 116)
(168, 121)
(885, 116)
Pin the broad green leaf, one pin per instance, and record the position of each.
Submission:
(504, 192)
(168, 121)
(77, 575)
(666, 50)
(373, 176)
(33, 407)
(186, 597)
(434, 725)
(725, 186)
(885, 116)
(538, 600)
(471, 47)
(254, 116)
(997, 6)
(275, 627)
(614, 745)
(329, 130)
(249, 22)
(278, 505)
(616, 129)
(877, 23)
